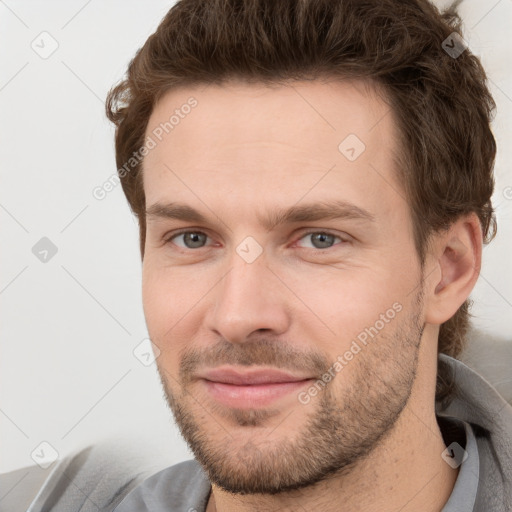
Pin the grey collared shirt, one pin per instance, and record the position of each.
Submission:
(185, 486)
(465, 489)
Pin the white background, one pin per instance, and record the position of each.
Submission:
(69, 326)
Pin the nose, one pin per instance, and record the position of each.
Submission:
(249, 298)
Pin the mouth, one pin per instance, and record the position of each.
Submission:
(250, 389)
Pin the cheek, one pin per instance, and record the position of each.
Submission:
(164, 304)
(171, 300)
(153, 297)
(343, 306)
(160, 302)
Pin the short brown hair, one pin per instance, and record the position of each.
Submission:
(441, 103)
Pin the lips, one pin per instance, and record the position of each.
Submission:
(251, 377)
(250, 388)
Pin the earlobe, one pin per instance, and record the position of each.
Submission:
(459, 253)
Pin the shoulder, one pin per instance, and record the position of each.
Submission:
(94, 478)
(477, 402)
(184, 486)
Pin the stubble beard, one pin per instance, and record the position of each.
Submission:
(342, 427)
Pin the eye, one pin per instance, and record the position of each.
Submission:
(321, 239)
(197, 239)
(191, 239)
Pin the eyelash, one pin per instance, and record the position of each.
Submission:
(314, 231)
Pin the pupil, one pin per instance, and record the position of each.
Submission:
(322, 238)
(194, 238)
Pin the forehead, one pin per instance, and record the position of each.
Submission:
(268, 143)
(270, 112)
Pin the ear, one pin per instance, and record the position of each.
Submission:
(453, 268)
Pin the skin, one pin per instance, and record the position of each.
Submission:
(369, 440)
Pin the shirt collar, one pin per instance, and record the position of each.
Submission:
(465, 489)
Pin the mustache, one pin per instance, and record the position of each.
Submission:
(262, 352)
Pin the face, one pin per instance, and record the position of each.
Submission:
(280, 278)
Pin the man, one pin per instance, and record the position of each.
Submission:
(312, 181)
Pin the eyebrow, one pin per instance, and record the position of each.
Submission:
(324, 210)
